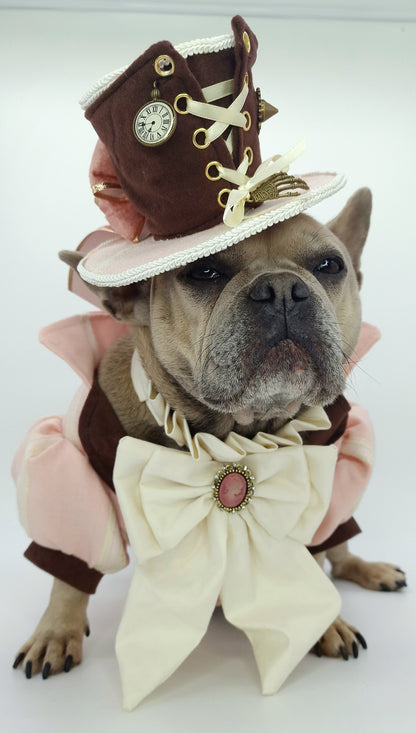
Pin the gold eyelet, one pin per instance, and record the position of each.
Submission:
(210, 176)
(223, 192)
(197, 132)
(246, 80)
(248, 123)
(164, 65)
(246, 41)
(186, 97)
(249, 152)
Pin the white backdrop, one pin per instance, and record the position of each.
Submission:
(349, 87)
(400, 10)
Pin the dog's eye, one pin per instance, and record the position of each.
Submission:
(204, 273)
(330, 266)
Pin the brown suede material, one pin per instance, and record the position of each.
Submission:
(67, 568)
(150, 175)
(244, 61)
(100, 432)
(344, 532)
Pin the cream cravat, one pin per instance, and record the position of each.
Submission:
(222, 519)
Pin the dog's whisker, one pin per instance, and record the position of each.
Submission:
(209, 336)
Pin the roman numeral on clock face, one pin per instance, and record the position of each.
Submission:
(154, 123)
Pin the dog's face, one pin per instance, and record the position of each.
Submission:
(263, 327)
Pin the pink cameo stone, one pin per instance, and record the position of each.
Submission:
(232, 490)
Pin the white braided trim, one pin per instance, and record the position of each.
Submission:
(205, 45)
(253, 224)
(99, 87)
(189, 48)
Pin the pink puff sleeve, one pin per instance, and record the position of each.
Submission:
(352, 473)
(63, 504)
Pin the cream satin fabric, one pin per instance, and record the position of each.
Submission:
(189, 552)
(235, 208)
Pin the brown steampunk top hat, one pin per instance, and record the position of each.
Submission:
(177, 169)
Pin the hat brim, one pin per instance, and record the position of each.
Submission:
(117, 262)
(75, 284)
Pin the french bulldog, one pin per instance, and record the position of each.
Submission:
(238, 341)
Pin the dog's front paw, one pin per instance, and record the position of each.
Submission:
(340, 640)
(372, 575)
(56, 645)
(51, 652)
(387, 577)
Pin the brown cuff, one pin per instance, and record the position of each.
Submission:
(342, 533)
(67, 568)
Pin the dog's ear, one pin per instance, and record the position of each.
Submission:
(128, 304)
(352, 224)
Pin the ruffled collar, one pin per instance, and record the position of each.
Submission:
(235, 446)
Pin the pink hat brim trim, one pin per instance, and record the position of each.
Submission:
(117, 262)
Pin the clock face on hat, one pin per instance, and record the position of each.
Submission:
(154, 123)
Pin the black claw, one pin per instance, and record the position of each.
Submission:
(28, 670)
(355, 650)
(385, 588)
(318, 649)
(87, 631)
(344, 653)
(401, 584)
(69, 661)
(399, 570)
(361, 639)
(46, 671)
(19, 659)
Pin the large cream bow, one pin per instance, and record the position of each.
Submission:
(189, 552)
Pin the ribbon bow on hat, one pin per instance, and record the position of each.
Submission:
(202, 527)
(267, 172)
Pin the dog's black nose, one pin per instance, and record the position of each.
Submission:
(300, 291)
(262, 292)
(281, 287)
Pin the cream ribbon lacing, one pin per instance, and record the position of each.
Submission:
(189, 553)
(223, 117)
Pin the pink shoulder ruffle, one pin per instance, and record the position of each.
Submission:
(82, 340)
